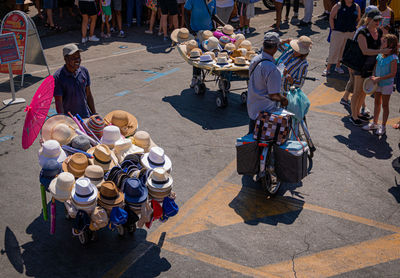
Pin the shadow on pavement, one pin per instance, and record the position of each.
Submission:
(28, 81)
(255, 207)
(203, 111)
(395, 190)
(364, 142)
(62, 255)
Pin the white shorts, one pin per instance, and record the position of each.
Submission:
(385, 90)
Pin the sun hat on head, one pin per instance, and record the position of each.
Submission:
(123, 147)
(51, 150)
(60, 128)
(143, 140)
(228, 30)
(103, 157)
(111, 134)
(50, 170)
(301, 45)
(126, 122)
(60, 187)
(191, 44)
(206, 60)
(224, 40)
(374, 14)
(109, 196)
(96, 124)
(81, 142)
(76, 164)
(180, 35)
(230, 47)
(96, 174)
(245, 44)
(369, 86)
(84, 195)
(70, 49)
(195, 54)
(211, 44)
(241, 62)
(156, 158)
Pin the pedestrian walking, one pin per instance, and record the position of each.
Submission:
(117, 17)
(278, 14)
(387, 23)
(168, 7)
(106, 11)
(308, 11)
(343, 23)
(296, 4)
(137, 6)
(88, 9)
(246, 11)
(152, 5)
(224, 9)
(385, 72)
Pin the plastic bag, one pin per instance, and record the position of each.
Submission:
(298, 103)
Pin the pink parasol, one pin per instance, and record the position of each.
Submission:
(37, 111)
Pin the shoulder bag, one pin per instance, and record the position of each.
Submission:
(353, 57)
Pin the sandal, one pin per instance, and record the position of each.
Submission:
(396, 126)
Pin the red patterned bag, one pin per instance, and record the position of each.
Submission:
(272, 127)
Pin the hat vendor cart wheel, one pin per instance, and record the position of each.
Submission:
(243, 97)
(222, 100)
(121, 230)
(224, 84)
(200, 88)
(84, 237)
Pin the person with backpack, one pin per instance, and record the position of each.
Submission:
(264, 81)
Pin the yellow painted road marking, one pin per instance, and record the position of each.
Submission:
(340, 260)
(181, 250)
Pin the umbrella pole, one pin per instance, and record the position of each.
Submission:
(53, 217)
(44, 202)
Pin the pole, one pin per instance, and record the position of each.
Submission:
(13, 100)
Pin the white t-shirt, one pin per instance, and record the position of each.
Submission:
(225, 3)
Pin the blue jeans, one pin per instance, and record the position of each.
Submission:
(130, 4)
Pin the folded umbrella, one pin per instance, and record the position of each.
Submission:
(92, 141)
(44, 202)
(53, 217)
(73, 150)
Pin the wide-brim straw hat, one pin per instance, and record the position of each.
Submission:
(160, 180)
(204, 35)
(103, 157)
(301, 45)
(51, 150)
(109, 196)
(241, 62)
(369, 86)
(124, 147)
(51, 123)
(76, 164)
(143, 140)
(95, 174)
(126, 122)
(181, 35)
(61, 186)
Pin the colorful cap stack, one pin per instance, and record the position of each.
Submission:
(96, 125)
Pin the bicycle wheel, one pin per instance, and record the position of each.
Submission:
(310, 163)
(270, 183)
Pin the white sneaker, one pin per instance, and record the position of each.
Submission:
(325, 72)
(94, 38)
(339, 70)
(370, 126)
(247, 30)
(381, 130)
(84, 40)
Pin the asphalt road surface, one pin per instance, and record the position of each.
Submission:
(342, 220)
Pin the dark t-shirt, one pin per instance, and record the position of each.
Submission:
(370, 61)
(72, 88)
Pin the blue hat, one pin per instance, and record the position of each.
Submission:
(135, 191)
(49, 171)
(170, 208)
(118, 216)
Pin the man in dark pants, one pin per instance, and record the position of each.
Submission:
(265, 81)
(199, 15)
(72, 85)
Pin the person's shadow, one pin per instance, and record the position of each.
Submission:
(254, 207)
(202, 110)
(62, 255)
(364, 142)
(395, 190)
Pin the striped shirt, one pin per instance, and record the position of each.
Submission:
(296, 67)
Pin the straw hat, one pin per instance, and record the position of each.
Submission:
(228, 30)
(159, 184)
(123, 147)
(224, 40)
(369, 86)
(245, 44)
(222, 61)
(96, 124)
(60, 128)
(135, 191)
(156, 158)
(143, 140)
(180, 35)
(250, 55)
(241, 62)
(98, 219)
(192, 44)
(204, 35)
(60, 187)
(206, 60)
(103, 157)
(76, 164)
(212, 54)
(195, 54)
(126, 122)
(301, 45)
(230, 47)
(96, 174)
(51, 150)
(239, 39)
(211, 44)
(111, 134)
(109, 196)
(84, 195)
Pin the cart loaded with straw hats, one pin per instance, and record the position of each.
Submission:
(107, 174)
(222, 54)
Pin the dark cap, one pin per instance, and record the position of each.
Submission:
(374, 14)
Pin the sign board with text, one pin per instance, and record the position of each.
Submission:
(9, 52)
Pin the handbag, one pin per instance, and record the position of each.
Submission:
(273, 127)
(353, 57)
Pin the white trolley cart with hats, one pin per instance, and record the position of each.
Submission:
(106, 173)
(226, 59)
